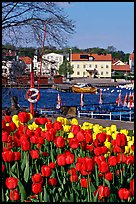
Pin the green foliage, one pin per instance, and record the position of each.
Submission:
(65, 68)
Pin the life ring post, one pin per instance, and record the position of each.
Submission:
(32, 86)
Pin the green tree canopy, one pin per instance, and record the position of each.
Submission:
(65, 68)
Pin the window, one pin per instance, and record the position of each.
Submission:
(101, 73)
(90, 65)
(96, 66)
(84, 66)
(107, 73)
(77, 65)
(83, 74)
(78, 73)
(101, 66)
(107, 66)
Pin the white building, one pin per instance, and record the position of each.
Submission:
(50, 64)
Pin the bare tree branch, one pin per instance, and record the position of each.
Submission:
(28, 18)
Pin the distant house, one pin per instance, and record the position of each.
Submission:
(131, 62)
(85, 65)
(120, 67)
(28, 62)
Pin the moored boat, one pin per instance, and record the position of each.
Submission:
(83, 88)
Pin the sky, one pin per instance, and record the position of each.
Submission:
(102, 24)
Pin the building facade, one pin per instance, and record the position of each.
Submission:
(85, 65)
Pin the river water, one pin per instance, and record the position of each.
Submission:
(48, 97)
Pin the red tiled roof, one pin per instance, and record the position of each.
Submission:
(27, 60)
(121, 67)
(102, 57)
(131, 56)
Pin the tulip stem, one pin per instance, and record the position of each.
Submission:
(51, 152)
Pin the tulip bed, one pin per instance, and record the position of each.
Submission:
(62, 161)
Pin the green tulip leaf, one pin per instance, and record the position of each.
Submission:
(13, 167)
(21, 189)
(26, 172)
(46, 196)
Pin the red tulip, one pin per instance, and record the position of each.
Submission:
(69, 158)
(103, 192)
(132, 186)
(12, 126)
(40, 121)
(23, 117)
(3, 168)
(83, 182)
(104, 149)
(40, 140)
(61, 159)
(57, 125)
(45, 154)
(34, 154)
(88, 136)
(99, 159)
(75, 129)
(112, 160)
(124, 193)
(50, 137)
(46, 171)
(130, 159)
(97, 151)
(73, 143)
(121, 140)
(59, 142)
(17, 156)
(36, 188)
(11, 183)
(5, 135)
(109, 176)
(101, 137)
(52, 165)
(37, 178)
(52, 181)
(8, 156)
(14, 195)
(49, 125)
(72, 171)
(121, 158)
(80, 136)
(108, 137)
(73, 178)
(3, 124)
(34, 139)
(25, 145)
(97, 143)
(103, 167)
(7, 118)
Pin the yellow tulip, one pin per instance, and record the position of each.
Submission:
(133, 138)
(113, 128)
(124, 131)
(127, 149)
(88, 125)
(109, 132)
(130, 143)
(15, 118)
(30, 127)
(74, 121)
(31, 116)
(17, 123)
(7, 124)
(128, 138)
(108, 145)
(66, 128)
(60, 119)
(65, 121)
(96, 128)
(107, 128)
(70, 135)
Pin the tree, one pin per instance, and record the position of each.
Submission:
(29, 20)
(66, 69)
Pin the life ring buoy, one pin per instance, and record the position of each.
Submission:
(29, 95)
